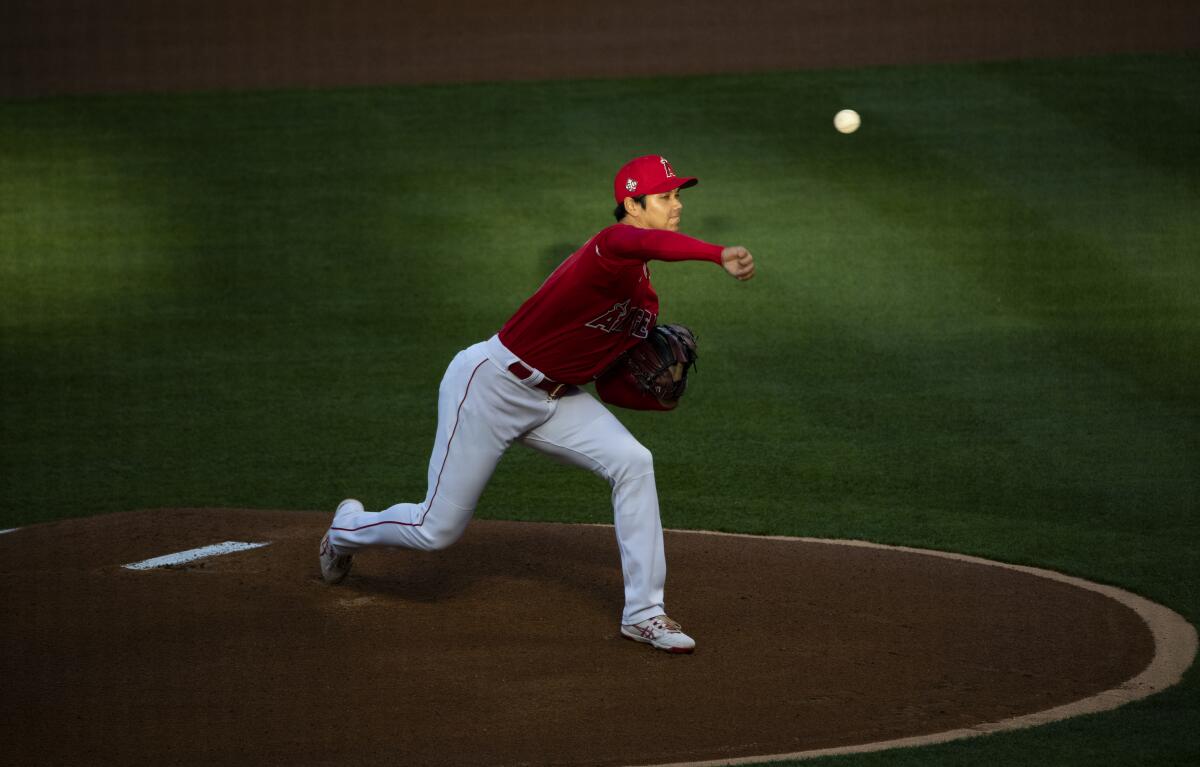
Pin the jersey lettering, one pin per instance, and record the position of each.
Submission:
(640, 328)
(611, 320)
(619, 318)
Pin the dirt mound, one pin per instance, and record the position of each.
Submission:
(504, 649)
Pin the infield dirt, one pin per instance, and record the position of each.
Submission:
(505, 648)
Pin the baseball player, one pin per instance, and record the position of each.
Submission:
(592, 319)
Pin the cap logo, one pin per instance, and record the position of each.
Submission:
(667, 167)
(630, 185)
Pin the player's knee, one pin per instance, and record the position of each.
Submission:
(437, 533)
(435, 540)
(439, 542)
(634, 460)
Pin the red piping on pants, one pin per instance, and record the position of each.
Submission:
(438, 484)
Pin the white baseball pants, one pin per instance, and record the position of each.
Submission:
(482, 409)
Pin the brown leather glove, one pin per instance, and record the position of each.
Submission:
(659, 366)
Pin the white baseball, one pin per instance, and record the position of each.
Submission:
(847, 121)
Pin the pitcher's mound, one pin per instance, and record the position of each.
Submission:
(505, 650)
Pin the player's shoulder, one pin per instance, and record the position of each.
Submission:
(608, 248)
(619, 237)
(596, 245)
(610, 230)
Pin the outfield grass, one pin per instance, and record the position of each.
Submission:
(976, 324)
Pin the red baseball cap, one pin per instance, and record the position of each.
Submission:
(651, 174)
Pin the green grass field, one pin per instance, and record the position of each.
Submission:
(975, 325)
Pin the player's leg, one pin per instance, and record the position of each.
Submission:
(480, 413)
(582, 432)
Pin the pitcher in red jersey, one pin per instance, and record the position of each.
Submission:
(523, 384)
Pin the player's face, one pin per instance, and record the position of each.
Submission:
(662, 211)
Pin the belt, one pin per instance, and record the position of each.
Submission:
(553, 388)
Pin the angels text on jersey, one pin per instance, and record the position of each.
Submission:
(621, 319)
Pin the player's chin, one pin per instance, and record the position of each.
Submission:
(673, 225)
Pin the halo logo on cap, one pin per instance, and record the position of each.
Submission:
(650, 174)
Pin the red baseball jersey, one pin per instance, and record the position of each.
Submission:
(598, 303)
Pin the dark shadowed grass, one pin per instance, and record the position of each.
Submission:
(976, 324)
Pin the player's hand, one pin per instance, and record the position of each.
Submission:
(738, 262)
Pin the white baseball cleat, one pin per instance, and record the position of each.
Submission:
(334, 566)
(661, 632)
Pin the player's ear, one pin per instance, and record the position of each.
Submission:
(631, 207)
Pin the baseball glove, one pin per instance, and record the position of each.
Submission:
(660, 364)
